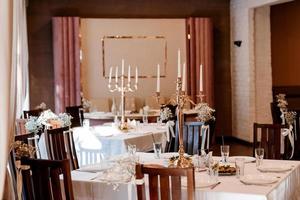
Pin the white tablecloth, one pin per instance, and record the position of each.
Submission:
(98, 142)
(287, 187)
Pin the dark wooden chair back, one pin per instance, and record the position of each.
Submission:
(60, 145)
(270, 137)
(43, 179)
(160, 182)
(77, 113)
(28, 113)
(192, 137)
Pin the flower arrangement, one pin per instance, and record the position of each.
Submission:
(290, 117)
(86, 104)
(205, 113)
(23, 150)
(167, 113)
(282, 102)
(48, 118)
(42, 106)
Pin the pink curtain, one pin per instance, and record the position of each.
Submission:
(200, 51)
(66, 50)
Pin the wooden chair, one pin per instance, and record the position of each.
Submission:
(193, 139)
(159, 182)
(28, 113)
(60, 145)
(270, 137)
(77, 113)
(43, 179)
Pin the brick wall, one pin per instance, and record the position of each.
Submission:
(250, 65)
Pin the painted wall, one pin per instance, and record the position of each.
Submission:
(93, 30)
(285, 26)
(250, 65)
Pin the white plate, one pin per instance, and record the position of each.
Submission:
(248, 159)
(95, 167)
(199, 184)
(274, 168)
(258, 179)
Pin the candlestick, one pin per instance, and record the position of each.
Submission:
(122, 67)
(116, 76)
(158, 79)
(184, 77)
(123, 89)
(179, 65)
(136, 75)
(201, 78)
(110, 73)
(129, 74)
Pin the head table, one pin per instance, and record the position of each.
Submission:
(86, 186)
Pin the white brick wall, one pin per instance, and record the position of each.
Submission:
(250, 65)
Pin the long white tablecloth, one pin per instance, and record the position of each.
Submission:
(98, 142)
(287, 187)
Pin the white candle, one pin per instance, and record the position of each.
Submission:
(110, 73)
(179, 65)
(158, 79)
(201, 78)
(184, 77)
(129, 74)
(122, 67)
(116, 76)
(136, 75)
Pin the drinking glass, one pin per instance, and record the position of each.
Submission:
(145, 118)
(259, 156)
(131, 150)
(86, 123)
(157, 149)
(240, 167)
(225, 153)
(213, 170)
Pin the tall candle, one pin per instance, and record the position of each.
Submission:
(129, 74)
(136, 75)
(184, 77)
(110, 73)
(116, 76)
(158, 79)
(201, 78)
(179, 65)
(122, 67)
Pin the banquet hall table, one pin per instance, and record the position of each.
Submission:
(87, 187)
(100, 142)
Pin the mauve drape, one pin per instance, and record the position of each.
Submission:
(200, 51)
(66, 54)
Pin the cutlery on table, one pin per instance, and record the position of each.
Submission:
(215, 185)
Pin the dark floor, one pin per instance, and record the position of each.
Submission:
(237, 148)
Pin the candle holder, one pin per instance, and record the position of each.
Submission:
(123, 90)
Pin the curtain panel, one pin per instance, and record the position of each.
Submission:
(66, 55)
(200, 51)
(7, 88)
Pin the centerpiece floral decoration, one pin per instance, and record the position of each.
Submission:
(205, 113)
(49, 119)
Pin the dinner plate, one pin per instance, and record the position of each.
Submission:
(200, 183)
(248, 159)
(258, 179)
(274, 168)
(95, 167)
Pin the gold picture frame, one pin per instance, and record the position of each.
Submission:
(161, 38)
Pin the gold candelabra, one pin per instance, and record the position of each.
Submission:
(180, 99)
(123, 89)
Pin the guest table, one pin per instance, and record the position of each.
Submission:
(86, 186)
(99, 142)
